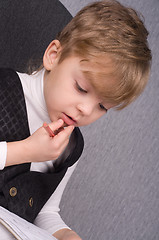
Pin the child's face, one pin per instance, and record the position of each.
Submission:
(69, 95)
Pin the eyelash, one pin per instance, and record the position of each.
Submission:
(80, 89)
(84, 91)
(102, 107)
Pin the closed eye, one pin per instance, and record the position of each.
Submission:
(80, 89)
(102, 107)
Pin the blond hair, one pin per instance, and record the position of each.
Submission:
(113, 40)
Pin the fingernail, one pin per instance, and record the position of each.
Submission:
(60, 121)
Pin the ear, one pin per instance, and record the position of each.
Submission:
(51, 54)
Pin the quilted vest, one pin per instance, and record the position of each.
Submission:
(22, 191)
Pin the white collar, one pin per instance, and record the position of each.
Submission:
(33, 87)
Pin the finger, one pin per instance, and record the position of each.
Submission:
(48, 129)
(64, 135)
(58, 130)
(56, 125)
(69, 130)
(62, 139)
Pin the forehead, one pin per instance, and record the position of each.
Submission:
(101, 74)
(99, 79)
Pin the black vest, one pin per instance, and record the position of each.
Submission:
(22, 191)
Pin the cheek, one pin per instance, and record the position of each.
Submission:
(56, 99)
(98, 114)
(92, 118)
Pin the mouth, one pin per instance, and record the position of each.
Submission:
(68, 120)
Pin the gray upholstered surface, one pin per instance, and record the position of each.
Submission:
(114, 192)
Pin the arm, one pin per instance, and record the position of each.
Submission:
(3, 154)
(49, 218)
(37, 148)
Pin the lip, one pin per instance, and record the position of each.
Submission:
(68, 120)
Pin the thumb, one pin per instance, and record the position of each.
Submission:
(52, 128)
(56, 125)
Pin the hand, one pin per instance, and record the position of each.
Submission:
(39, 147)
(66, 234)
(42, 147)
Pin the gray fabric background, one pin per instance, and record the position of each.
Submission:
(114, 192)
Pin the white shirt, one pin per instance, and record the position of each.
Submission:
(48, 218)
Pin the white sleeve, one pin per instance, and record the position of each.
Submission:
(3, 154)
(49, 218)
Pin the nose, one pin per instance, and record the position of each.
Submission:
(86, 108)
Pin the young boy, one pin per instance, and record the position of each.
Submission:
(100, 60)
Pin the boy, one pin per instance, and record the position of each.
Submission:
(100, 60)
